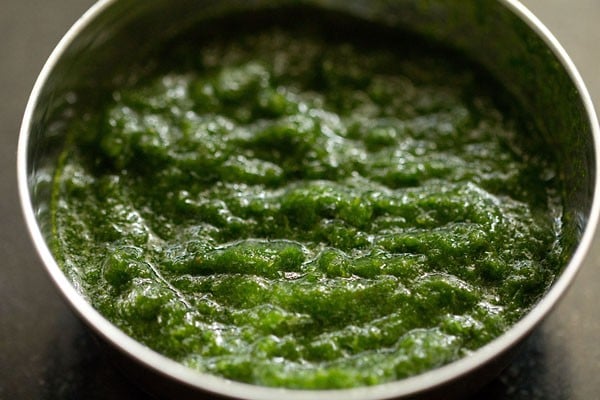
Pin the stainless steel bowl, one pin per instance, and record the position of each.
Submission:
(501, 35)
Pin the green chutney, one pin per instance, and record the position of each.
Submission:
(289, 208)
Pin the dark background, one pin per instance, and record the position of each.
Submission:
(46, 353)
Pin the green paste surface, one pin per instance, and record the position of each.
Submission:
(307, 213)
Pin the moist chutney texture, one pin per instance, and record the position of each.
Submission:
(296, 210)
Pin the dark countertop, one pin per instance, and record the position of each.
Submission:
(46, 353)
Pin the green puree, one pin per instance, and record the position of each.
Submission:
(288, 210)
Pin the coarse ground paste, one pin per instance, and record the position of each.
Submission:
(296, 210)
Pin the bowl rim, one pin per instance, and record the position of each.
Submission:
(210, 383)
